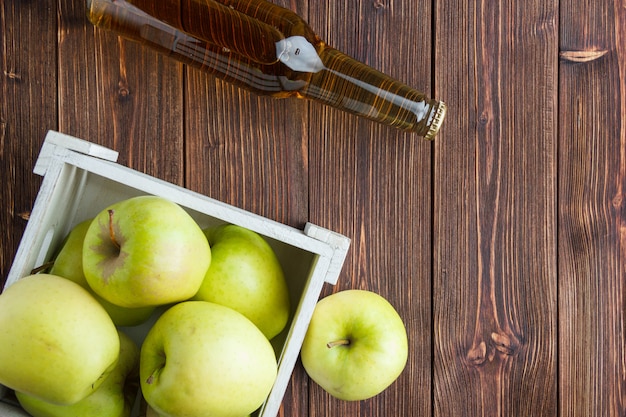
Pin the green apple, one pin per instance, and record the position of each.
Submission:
(113, 398)
(204, 359)
(151, 413)
(245, 275)
(145, 251)
(69, 264)
(58, 342)
(356, 345)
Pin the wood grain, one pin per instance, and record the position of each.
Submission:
(118, 94)
(28, 102)
(592, 212)
(494, 297)
(373, 184)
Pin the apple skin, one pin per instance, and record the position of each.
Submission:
(245, 275)
(69, 264)
(151, 413)
(377, 351)
(113, 398)
(204, 359)
(157, 255)
(58, 342)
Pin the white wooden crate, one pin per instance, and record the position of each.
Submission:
(82, 178)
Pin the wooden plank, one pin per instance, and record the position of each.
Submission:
(592, 209)
(121, 95)
(495, 274)
(247, 150)
(28, 103)
(373, 184)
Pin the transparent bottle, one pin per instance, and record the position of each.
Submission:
(268, 50)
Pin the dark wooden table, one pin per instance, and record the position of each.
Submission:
(502, 244)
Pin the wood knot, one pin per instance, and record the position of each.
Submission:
(123, 92)
(618, 200)
(24, 215)
(477, 355)
(484, 118)
(12, 75)
(582, 56)
(379, 4)
(504, 344)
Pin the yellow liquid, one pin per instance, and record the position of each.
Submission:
(268, 50)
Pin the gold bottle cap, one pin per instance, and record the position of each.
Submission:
(440, 114)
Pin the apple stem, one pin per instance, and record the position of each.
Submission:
(340, 342)
(42, 267)
(111, 231)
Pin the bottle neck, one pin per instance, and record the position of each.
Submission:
(344, 83)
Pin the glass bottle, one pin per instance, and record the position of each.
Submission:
(268, 50)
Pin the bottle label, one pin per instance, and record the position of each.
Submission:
(299, 54)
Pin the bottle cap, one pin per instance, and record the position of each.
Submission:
(440, 114)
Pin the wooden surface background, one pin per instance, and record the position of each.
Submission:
(502, 244)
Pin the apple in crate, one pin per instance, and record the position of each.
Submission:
(58, 342)
(69, 264)
(113, 398)
(356, 345)
(145, 251)
(151, 413)
(245, 275)
(204, 359)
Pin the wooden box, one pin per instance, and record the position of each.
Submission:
(80, 179)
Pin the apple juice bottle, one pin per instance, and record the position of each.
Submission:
(268, 50)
